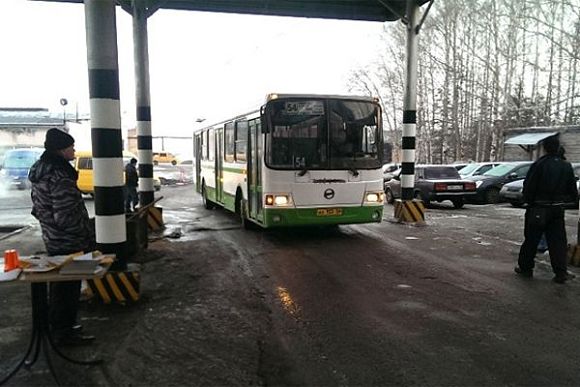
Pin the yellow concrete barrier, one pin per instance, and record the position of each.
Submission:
(411, 211)
(119, 286)
(155, 218)
(574, 255)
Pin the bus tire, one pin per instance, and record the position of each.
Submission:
(208, 204)
(241, 212)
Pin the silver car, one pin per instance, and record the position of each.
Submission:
(475, 169)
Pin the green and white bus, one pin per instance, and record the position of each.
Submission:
(297, 160)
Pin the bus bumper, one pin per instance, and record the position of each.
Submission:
(321, 216)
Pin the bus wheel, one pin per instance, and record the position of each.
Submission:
(206, 202)
(241, 212)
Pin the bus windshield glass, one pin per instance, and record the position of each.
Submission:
(323, 134)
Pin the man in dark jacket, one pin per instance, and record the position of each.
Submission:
(549, 188)
(58, 205)
(131, 183)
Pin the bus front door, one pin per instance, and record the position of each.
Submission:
(252, 187)
(219, 166)
(197, 153)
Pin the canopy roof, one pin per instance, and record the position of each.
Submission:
(369, 10)
(530, 138)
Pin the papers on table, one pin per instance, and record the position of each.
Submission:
(80, 267)
(85, 257)
(68, 264)
(36, 264)
(73, 264)
(9, 275)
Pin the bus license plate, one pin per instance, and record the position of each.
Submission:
(329, 212)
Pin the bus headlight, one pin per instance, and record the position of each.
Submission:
(278, 200)
(374, 197)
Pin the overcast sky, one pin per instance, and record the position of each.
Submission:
(201, 64)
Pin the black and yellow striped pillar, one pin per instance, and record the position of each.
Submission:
(107, 143)
(410, 209)
(142, 97)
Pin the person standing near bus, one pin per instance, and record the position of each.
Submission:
(131, 183)
(549, 188)
(58, 205)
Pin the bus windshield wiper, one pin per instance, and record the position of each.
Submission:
(303, 172)
(353, 170)
(351, 167)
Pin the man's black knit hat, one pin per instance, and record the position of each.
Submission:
(57, 139)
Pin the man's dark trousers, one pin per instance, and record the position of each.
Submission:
(549, 220)
(131, 198)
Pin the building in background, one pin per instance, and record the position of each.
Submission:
(26, 127)
(181, 146)
(523, 144)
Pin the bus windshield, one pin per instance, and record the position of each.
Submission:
(323, 134)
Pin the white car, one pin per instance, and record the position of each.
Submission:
(476, 169)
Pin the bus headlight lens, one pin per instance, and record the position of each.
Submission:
(278, 200)
(374, 197)
(281, 200)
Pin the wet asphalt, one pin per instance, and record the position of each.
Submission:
(377, 304)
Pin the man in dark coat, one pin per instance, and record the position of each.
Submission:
(58, 205)
(549, 188)
(131, 183)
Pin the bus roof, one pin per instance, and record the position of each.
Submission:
(274, 96)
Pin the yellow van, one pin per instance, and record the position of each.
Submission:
(164, 157)
(83, 163)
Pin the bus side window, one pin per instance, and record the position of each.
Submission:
(241, 140)
(211, 144)
(203, 145)
(229, 142)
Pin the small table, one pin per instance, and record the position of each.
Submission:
(41, 338)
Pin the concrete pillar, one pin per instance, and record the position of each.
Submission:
(107, 143)
(408, 209)
(410, 105)
(143, 100)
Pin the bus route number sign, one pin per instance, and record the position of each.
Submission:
(329, 212)
(304, 108)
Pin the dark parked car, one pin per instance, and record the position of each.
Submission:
(433, 183)
(512, 192)
(490, 183)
